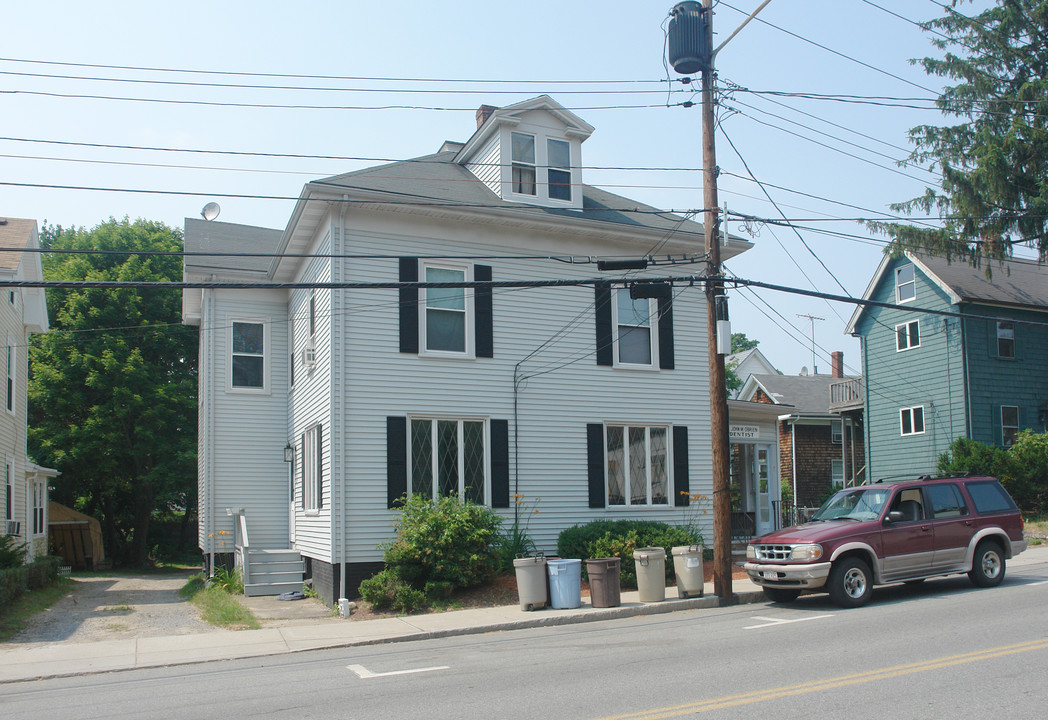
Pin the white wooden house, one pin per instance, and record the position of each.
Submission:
(585, 403)
(23, 311)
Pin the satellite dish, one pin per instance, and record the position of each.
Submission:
(210, 211)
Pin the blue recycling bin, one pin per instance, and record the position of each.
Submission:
(565, 583)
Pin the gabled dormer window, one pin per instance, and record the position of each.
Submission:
(523, 163)
(558, 154)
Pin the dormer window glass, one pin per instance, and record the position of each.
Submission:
(523, 163)
(559, 172)
(905, 284)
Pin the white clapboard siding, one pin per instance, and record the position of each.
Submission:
(486, 165)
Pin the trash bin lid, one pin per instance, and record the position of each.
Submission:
(649, 552)
(686, 549)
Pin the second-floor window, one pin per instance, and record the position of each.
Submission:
(1009, 424)
(248, 355)
(448, 312)
(634, 330)
(911, 420)
(1005, 339)
(908, 335)
(10, 374)
(905, 284)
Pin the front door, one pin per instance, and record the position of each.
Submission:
(765, 518)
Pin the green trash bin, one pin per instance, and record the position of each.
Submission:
(604, 574)
(651, 573)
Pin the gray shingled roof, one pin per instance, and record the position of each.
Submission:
(809, 394)
(1023, 282)
(14, 232)
(439, 179)
(204, 236)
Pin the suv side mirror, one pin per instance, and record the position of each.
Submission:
(894, 516)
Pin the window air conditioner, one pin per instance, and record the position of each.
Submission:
(309, 356)
(13, 527)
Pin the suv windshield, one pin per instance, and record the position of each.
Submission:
(859, 504)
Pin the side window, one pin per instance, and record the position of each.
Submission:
(1005, 339)
(312, 469)
(989, 497)
(907, 335)
(248, 355)
(910, 504)
(946, 501)
(905, 284)
(11, 355)
(911, 420)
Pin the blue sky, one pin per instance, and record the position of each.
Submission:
(591, 57)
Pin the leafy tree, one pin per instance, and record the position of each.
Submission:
(113, 385)
(1022, 468)
(994, 161)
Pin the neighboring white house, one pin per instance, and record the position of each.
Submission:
(580, 400)
(746, 363)
(23, 311)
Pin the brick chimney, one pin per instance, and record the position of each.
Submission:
(483, 113)
(837, 364)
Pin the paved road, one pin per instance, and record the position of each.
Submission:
(943, 649)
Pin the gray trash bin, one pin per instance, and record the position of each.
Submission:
(565, 583)
(687, 566)
(531, 582)
(651, 573)
(604, 582)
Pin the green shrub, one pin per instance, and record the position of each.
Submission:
(619, 538)
(229, 579)
(387, 591)
(12, 552)
(34, 576)
(1022, 468)
(444, 541)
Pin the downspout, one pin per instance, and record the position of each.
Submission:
(793, 461)
(342, 600)
(964, 365)
(866, 411)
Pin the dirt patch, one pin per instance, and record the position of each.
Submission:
(116, 607)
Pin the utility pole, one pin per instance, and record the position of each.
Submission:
(714, 293)
(691, 50)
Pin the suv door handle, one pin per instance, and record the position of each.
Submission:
(968, 523)
(925, 528)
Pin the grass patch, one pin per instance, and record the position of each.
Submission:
(217, 606)
(1036, 524)
(14, 617)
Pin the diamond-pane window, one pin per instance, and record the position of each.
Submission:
(473, 460)
(452, 451)
(638, 465)
(421, 458)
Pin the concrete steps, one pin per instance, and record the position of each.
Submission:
(272, 572)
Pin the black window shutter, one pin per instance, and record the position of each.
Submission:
(320, 467)
(604, 331)
(499, 463)
(681, 482)
(408, 306)
(482, 313)
(595, 463)
(666, 333)
(396, 460)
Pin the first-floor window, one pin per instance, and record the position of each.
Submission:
(447, 458)
(837, 472)
(38, 508)
(312, 463)
(1009, 424)
(638, 471)
(911, 420)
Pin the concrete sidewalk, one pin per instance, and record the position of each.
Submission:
(30, 661)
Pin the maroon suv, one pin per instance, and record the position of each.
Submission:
(891, 532)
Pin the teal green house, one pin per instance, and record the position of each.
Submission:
(979, 371)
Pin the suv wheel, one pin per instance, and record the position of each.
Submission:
(781, 595)
(850, 583)
(987, 565)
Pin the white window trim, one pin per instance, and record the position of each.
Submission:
(542, 168)
(924, 423)
(568, 170)
(837, 432)
(460, 445)
(266, 356)
(312, 470)
(12, 386)
(1018, 424)
(513, 162)
(836, 480)
(628, 495)
(913, 282)
(38, 491)
(999, 338)
(907, 326)
(653, 327)
(470, 353)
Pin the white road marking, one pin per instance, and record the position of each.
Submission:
(364, 674)
(772, 622)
